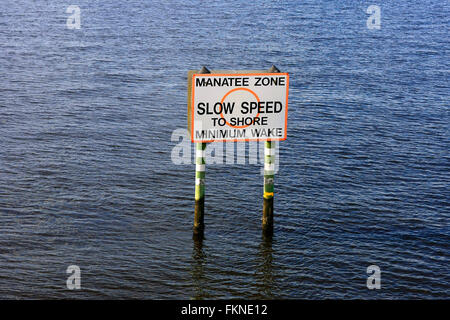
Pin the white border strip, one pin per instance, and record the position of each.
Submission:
(199, 181)
(199, 167)
(269, 167)
(200, 153)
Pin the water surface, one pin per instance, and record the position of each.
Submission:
(87, 116)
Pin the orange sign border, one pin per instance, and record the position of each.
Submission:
(239, 75)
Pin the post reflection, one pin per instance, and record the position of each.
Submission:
(198, 262)
(265, 278)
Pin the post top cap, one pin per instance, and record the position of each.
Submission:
(274, 69)
(204, 70)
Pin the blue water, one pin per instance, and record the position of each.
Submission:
(87, 178)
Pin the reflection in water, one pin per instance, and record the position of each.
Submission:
(198, 277)
(205, 281)
(264, 274)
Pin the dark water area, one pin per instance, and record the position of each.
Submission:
(86, 138)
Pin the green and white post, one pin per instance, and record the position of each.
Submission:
(200, 166)
(269, 173)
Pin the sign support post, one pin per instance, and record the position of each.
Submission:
(200, 166)
(199, 224)
(269, 173)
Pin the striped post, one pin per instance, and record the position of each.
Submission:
(199, 225)
(269, 173)
(199, 213)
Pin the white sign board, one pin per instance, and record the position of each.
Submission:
(239, 107)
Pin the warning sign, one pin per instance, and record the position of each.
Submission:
(238, 106)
